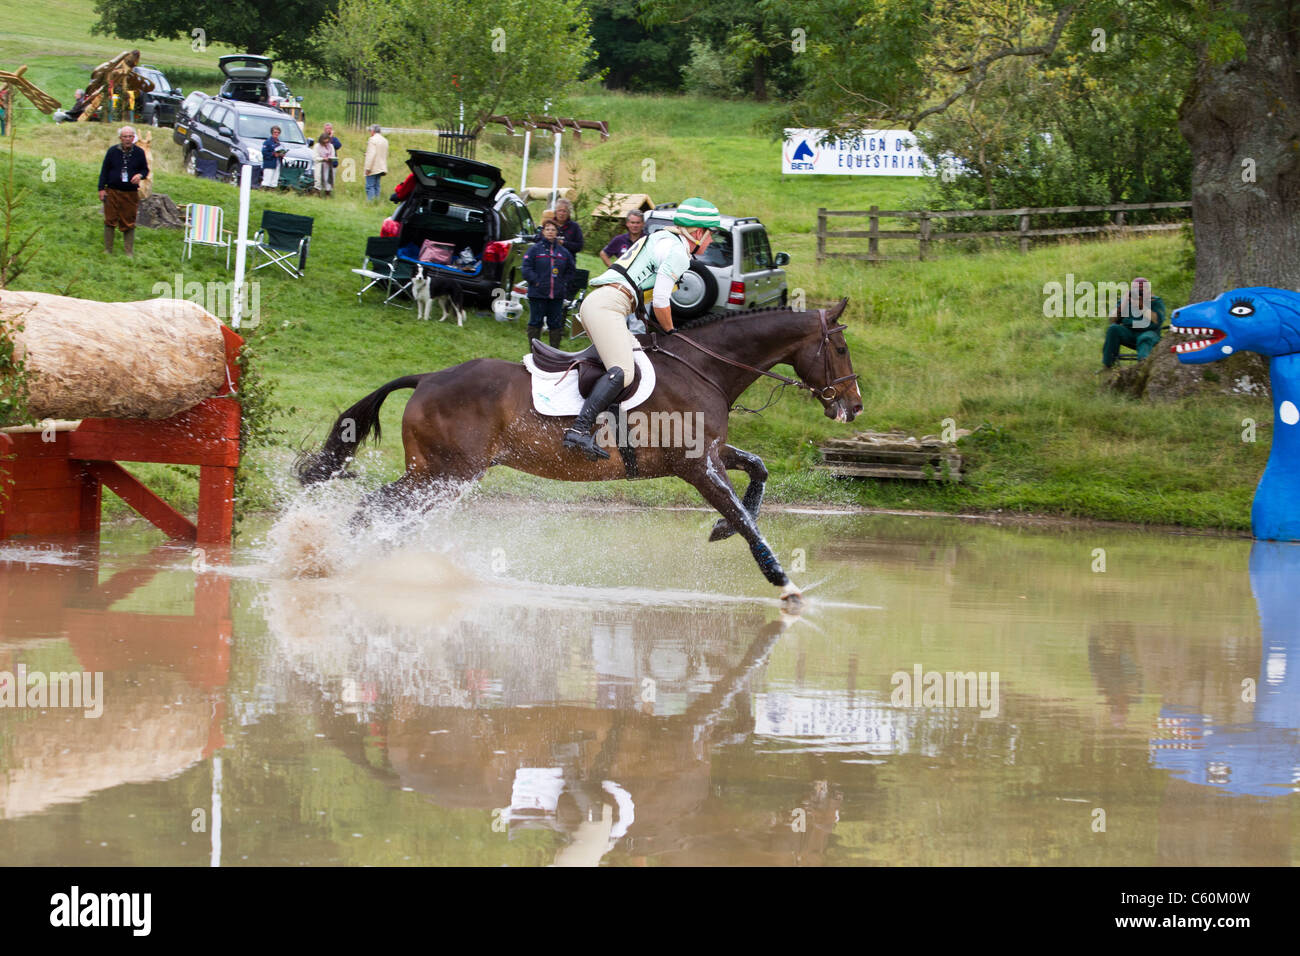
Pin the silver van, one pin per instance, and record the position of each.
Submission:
(737, 271)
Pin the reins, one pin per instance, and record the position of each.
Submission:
(783, 380)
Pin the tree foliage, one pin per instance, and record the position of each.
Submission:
(632, 56)
(748, 43)
(280, 28)
(489, 56)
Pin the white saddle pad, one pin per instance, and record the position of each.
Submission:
(556, 393)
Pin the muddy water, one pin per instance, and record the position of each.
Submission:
(528, 686)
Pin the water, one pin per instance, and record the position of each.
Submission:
(526, 685)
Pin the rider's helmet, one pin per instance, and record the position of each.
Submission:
(697, 213)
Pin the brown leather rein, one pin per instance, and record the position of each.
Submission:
(821, 393)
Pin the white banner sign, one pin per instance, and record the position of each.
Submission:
(873, 152)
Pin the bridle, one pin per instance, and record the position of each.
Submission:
(826, 393)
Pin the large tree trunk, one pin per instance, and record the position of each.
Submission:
(1246, 215)
(1247, 233)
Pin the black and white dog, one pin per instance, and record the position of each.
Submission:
(426, 288)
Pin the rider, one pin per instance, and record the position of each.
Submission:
(655, 261)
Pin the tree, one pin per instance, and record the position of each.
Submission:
(1234, 62)
(487, 56)
(280, 28)
(757, 36)
(634, 57)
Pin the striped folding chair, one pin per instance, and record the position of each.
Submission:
(203, 227)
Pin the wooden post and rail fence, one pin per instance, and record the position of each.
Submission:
(924, 233)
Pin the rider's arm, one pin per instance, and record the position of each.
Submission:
(661, 300)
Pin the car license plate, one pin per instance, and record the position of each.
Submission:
(181, 129)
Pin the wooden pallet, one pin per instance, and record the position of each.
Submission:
(889, 455)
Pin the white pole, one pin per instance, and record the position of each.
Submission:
(237, 298)
(523, 179)
(215, 856)
(555, 173)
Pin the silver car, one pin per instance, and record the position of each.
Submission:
(737, 271)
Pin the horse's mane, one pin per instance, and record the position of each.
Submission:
(715, 317)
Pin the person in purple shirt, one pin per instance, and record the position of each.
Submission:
(635, 223)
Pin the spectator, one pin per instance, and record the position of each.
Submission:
(548, 268)
(1135, 324)
(376, 164)
(123, 168)
(272, 155)
(326, 159)
(635, 223)
(570, 233)
(328, 130)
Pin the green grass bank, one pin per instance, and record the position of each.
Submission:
(960, 337)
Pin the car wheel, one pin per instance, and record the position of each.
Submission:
(696, 293)
(784, 300)
(191, 161)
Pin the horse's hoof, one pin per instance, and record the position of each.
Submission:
(722, 529)
(791, 598)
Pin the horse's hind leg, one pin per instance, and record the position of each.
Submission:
(733, 459)
(713, 485)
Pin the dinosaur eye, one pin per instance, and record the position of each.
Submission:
(1242, 307)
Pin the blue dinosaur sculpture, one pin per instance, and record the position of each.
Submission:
(1267, 321)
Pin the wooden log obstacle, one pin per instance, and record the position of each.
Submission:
(52, 475)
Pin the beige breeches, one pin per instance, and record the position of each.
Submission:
(604, 315)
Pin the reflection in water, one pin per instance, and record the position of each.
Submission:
(419, 708)
(1257, 753)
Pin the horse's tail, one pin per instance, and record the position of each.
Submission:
(351, 428)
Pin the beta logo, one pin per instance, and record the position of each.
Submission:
(804, 157)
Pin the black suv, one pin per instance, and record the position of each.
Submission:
(232, 133)
(160, 103)
(465, 203)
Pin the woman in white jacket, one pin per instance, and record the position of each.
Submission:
(323, 150)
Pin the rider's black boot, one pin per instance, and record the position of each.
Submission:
(556, 336)
(602, 394)
(534, 332)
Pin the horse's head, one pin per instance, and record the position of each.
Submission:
(823, 362)
(1256, 319)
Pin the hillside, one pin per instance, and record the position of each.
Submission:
(961, 337)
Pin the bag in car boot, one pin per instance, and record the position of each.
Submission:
(436, 252)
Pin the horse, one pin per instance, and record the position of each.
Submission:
(464, 419)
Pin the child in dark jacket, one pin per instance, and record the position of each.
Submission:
(548, 269)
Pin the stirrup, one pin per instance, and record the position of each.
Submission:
(585, 443)
(602, 396)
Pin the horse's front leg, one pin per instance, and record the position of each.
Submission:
(736, 459)
(711, 482)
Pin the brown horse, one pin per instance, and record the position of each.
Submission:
(463, 420)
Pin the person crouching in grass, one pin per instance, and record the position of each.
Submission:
(548, 269)
(119, 188)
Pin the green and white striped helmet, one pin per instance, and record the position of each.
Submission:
(696, 213)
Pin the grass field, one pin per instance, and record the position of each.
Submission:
(960, 337)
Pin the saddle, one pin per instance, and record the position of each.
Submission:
(588, 363)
